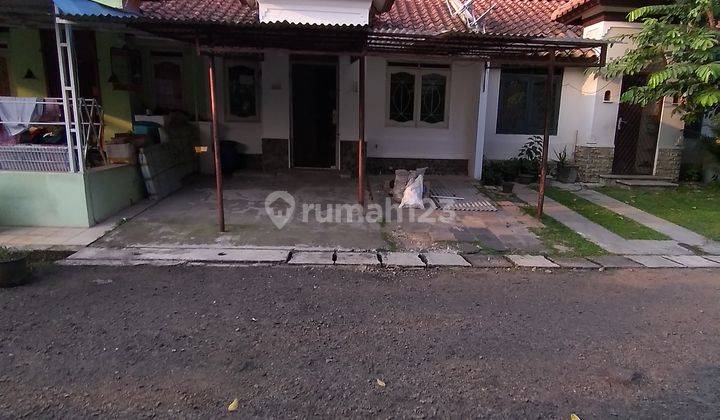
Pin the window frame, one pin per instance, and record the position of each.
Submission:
(418, 71)
(255, 65)
(540, 73)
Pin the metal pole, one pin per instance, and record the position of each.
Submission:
(546, 136)
(63, 82)
(216, 148)
(72, 73)
(361, 131)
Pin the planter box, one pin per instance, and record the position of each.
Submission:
(567, 174)
(13, 272)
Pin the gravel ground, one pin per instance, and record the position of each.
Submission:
(298, 342)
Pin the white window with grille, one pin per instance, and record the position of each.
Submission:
(418, 95)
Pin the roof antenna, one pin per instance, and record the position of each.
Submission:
(466, 11)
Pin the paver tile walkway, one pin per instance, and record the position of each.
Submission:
(597, 234)
(673, 231)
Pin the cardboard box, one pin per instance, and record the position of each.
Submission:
(121, 153)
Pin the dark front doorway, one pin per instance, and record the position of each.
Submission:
(86, 62)
(314, 114)
(636, 133)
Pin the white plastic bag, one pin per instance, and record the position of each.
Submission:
(413, 195)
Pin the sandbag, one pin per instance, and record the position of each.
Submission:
(413, 194)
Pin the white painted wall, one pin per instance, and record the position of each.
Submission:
(572, 124)
(322, 12)
(348, 99)
(457, 141)
(275, 79)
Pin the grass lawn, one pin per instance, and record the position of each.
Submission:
(555, 233)
(627, 228)
(696, 208)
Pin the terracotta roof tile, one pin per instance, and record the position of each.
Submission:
(507, 18)
(569, 7)
(200, 11)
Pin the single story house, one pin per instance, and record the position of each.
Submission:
(437, 83)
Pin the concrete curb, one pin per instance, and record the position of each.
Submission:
(285, 255)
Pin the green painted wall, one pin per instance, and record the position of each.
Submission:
(116, 103)
(194, 83)
(24, 53)
(67, 200)
(111, 189)
(42, 199)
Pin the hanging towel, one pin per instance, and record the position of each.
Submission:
(17, 113)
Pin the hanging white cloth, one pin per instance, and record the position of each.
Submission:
(17, 113)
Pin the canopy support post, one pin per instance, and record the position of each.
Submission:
(216, 147)
(361, 131)
(546, 134)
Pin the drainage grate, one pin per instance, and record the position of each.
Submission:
(476, 205)
(447, 199)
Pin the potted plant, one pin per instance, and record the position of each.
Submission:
(13, 268)
(566, 172)
(529, 159)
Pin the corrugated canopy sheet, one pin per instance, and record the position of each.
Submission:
(90, 8)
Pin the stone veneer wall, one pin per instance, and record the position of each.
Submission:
(593, 162)
(275, 154)
(348, 157)
(668, 163)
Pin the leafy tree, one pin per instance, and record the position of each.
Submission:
(679, 44)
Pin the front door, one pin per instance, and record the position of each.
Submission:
(314, 115)
(636, 134)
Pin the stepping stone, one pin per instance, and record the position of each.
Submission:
(614, 261)
(310, 258)
(444, 259)
(535, 261)
(488, 239)
(693, 261)
(401, 259)
(463, 235)
(575, 263)
(488, 261)
(356, 258)
(654, 261)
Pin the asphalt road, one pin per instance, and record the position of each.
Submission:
(183, 342)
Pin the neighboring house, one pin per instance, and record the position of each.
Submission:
(444, 87)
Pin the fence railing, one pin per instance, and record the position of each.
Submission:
(52, 158)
